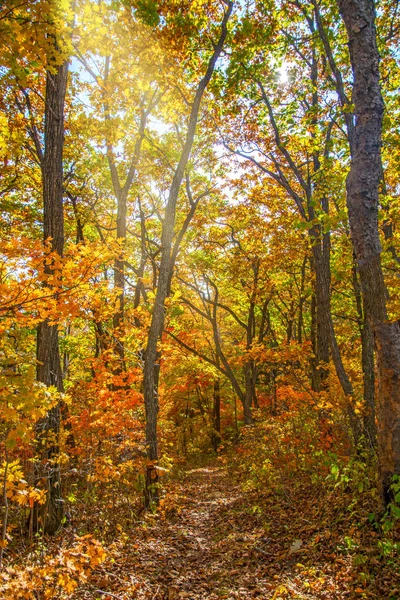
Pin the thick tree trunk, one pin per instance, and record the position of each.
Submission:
(151, 366)
(362, 201)
(47, 470)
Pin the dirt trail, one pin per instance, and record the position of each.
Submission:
(211, 542)
(200, 551)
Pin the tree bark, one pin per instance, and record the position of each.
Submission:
(47, 470)
(362, 201)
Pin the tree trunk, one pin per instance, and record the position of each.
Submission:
(314, 375)
(250, 396)
(325, 331)
(47, 470)
(245, 399)
(365, 330)
(254, 375)
(321, 267)
(216, 433)
(368, 366)
(367, 362)
(362, 201)
(151, 366)
(119, 284)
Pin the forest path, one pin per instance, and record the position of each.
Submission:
(209, 541)
(200, 548)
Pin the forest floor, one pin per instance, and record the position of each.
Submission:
(212, 539)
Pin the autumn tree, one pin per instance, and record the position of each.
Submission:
(151, 366)
(288, 127)
(362, 200)
(121, 109)
(45, 141)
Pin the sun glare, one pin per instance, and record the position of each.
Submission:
(283, 71)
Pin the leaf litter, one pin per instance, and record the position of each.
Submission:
(213, 540)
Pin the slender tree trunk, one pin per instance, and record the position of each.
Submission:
(47, 470)
(121, 191)
(368, 368)
(139, 289)
(314, 375)
(325, 332)
(249, 394)
(249, 367)
(274, 409)
(326, 337)
(321, 267)
(326, 341)
(245, 399)
(300, 318)
(362, 201)
(119, 284)
(216, 434)
(254, 376)
(151, 365)
(320, 246)
(367, 362)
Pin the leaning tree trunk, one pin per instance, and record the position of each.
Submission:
(362, 201)
(47, 472)
(151, 359)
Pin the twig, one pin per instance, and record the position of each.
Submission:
(108, 594)
(261, 550)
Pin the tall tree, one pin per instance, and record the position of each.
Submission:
(367, 344)
(151, 366)
(49, 372)
(362, 200)
(294, 151)
(120, 108)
